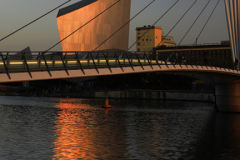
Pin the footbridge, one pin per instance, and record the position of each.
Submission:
(58, 65)
(222, 74)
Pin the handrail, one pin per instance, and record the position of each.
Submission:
(78, 60)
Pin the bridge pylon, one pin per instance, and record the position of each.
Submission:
(233, 20)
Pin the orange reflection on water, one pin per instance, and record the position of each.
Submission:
(72, 140)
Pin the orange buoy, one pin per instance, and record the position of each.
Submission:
(107, 104)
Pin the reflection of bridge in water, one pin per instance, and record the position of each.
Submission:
(57, 65)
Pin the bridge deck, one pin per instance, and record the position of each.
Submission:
(56, 66)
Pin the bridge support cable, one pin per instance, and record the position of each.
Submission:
(79, 63)
(191, 27)
(178, 22)
(33, 21)
(5, 66)
(46, 64)
(64, 65)
(139, 61)
(149, 61)
(25, 62)
(124, 25)
(155, 23)
(93, 62)
(118, 62)
(6, 56)
(204, 27)
(233, 25)
(129, 61)
(154, 51)
(83, 26)
(105, 56)
(193, 24)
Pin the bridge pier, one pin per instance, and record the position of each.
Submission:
(228, 96)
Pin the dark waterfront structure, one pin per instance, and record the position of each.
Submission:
(89, 37)
(214, 53)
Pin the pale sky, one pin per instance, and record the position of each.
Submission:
(44, 33)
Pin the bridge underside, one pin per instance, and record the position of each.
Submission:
(227, 86)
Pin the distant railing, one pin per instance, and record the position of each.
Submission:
(203, 44)
(39, 61)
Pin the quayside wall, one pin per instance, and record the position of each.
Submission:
(152, 95)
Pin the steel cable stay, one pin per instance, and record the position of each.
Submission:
(82, 26)
(154, 50)
(193, 23)
(191, 27)
(124, 25)
(203, 27)
(155, 23)
(177, 23)
(33, 21)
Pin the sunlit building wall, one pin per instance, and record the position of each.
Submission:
(148, 37)
(168, 41)
(94, 33)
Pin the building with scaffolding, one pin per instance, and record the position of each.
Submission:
(91, 35)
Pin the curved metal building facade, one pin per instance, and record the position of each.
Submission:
(94, 33)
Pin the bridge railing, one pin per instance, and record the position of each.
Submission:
(38, 61)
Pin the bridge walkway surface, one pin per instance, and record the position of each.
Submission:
(56, 65)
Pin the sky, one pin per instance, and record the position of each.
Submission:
(43, 34)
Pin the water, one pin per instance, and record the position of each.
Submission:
(50, 128)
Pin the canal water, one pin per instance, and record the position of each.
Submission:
(52, 128)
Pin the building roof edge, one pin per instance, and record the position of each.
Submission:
(74, 7)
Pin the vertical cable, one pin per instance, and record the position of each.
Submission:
(229, 28)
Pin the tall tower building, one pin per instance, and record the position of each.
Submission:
(94, 33)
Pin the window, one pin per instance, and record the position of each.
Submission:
(138, 33)
(150, 39)
(138, 49)
(138, 43)
(138, 37)
(142, 39)
(146, 39)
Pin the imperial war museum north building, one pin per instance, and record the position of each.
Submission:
(94, 33)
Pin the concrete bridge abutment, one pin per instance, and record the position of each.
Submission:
(228, 96)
